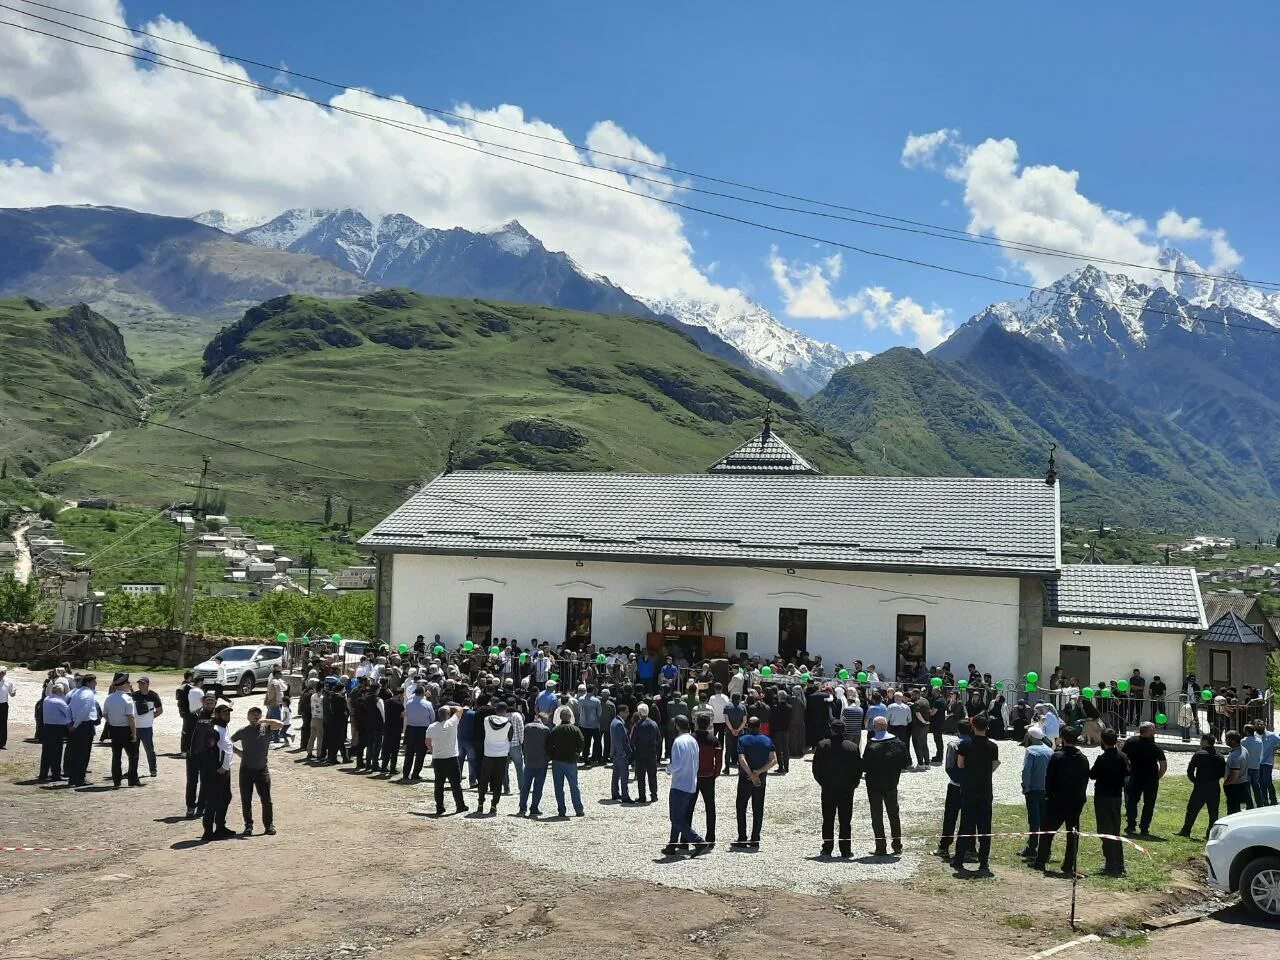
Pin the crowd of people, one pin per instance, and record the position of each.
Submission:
(492, 724)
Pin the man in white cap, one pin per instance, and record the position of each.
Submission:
(1035, 764)
(8, 690)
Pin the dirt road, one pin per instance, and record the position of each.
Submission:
(358, 870)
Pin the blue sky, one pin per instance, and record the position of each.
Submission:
(1158, 107)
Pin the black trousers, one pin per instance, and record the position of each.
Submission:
(1203, 796)
(937, 746)
(259, 780)
(122, 741)
(1144, 790)
(1106, 816)
(646, 773)
(53, 739)
(79, 746)
(415, 751)
(837, 803)
(491, 771)
(196, 783)
(750, 793)
(1060, 816)
(920, 743)
(390, 749)
(188, 727)
(1239, 797)
(217, 795)
(707, 791)
(4, 723)
(306, 731)
(883, 799)
(447, 769)
(370, 749)
(950, 816)
(783, 751)
(335, 740)
(592, 745)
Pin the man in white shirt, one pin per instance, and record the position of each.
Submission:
(442, 737)
(7, 692)
(121, 714)
(899, 715)
(717, 702)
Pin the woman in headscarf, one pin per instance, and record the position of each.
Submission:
(1019, 721)
(995, 718)
(797, 733)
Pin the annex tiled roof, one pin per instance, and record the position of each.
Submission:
(981, 525)
(1164, 599)
(1216, 604)
(1230, 628)
(766, 452)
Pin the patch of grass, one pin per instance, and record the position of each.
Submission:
(134, 670)
(1018, 921)
(1128, 940)
(1166, 850)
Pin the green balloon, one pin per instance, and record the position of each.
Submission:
(1030, 688)
(1106, 693)
(403, 648)
(282, 637)
(1032, 677)
(963, 684)
(766, 671)
(844, 675)
(600, 658)
(494, 651)
(805, 677)
(555, 676)
(1122, 686)
(306, 641)
(336, 638)
(862, 676)
(524, 658)
(1161, 719)
(1206, 695)
(468, 646)
(935, 682)
(999, 684)
(438, 649)
(1087, 693)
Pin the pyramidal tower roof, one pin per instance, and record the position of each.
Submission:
(765, 453)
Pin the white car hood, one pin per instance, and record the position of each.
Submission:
(1258, 817)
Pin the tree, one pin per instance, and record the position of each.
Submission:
(328, 510)
(18, 601)
(4, 469)
(48, 510)
(109, 524)
(350, 506)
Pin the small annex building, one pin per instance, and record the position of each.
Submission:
(764, 554)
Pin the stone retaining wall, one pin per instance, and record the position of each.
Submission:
(144, 646)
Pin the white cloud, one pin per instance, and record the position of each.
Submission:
(1043, 206)
(168, 142)
(806, 290)
(1173, 226)
(921, 151)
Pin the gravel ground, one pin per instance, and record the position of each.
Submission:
(612, 840)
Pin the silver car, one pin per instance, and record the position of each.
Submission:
(241, 668)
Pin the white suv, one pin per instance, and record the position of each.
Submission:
(240, 668)
(1244, 854)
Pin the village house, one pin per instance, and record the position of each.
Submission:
(143, 589)
(763, 554)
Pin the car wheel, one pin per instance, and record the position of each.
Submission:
(246, 685)
(1260, 887)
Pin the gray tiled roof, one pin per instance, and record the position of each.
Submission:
(1125, 598)
(1216, 604)
(766, 452)
(1229, 628)
(965, 524)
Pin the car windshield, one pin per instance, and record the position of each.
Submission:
(235, 653)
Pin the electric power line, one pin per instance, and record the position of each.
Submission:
(772, 228)
(151, 519)
(907, 225)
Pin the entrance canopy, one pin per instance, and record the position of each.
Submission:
(693, 606)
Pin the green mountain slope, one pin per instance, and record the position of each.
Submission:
(72, 351)
(381, 387)
(997, 409)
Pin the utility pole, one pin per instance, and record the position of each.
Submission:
(311, 563)
(193, 546)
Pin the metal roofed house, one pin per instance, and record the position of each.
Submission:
(1103, 620)
(760, 554)
(1232, 652)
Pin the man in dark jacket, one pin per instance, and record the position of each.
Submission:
(977, 760)
(1205, 771)
(837, 766)
(882, 764)
(1110, 770)
(780, 713)
(646, 743)
(564, 746)
(1065, 786)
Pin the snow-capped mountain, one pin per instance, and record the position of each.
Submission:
(509, 263)
(229, 222)
(793, 359)
(1226, 289)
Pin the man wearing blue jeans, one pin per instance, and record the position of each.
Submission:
(1035, 763)
(1251, 741)
(535, 766)
(1266, 769)
(683, 768)
(564, 746)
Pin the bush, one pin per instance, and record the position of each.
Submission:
(292, 613)
(18, 601)
(48, 510)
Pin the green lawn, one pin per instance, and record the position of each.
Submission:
(1167, 851)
